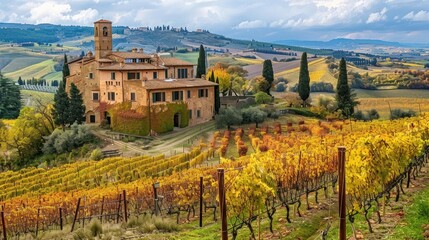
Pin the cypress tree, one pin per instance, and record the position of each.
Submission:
(66, 70)
(60, 111)
(10, 98)
(304, 79)
(201, 67)
(268, 74)
(345, 98)
(212, 77)
(76, 108)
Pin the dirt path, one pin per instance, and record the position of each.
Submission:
(169, 144)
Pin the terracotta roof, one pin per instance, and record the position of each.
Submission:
(130, 55)
(131, 66)
(177, 83)
(104, 60)
(171, 61)
(103, 21)
(85, 59)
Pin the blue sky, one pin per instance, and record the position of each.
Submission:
(392, 20)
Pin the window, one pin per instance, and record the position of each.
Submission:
(190, 114)
(189, 93)
(177, 96)
(111, 96)
(203, 93)
(133, 75)
(133, 97)
(182, 73)
(166, 73)
(155, 75)
(198, 113)
(105, 32)
(92, 118)
(112, 75)
(128, 60)
(91, 75)
(95, 96)
(158, 97)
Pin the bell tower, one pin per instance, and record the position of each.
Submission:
(102, 38)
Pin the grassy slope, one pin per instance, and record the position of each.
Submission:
(38, 70)
(318, 73)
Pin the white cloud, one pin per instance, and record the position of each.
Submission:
(251, 24)
(377, 16)
(85, 17)
(50, 12)
(420, 16)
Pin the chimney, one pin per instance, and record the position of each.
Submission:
(121, 64)
(141, 50)
(134, 50)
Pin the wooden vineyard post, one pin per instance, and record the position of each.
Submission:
(102, 210)
(342, 191)
(37, 221)
(201, 201)
(3, 224)
(155, 195)
(75, 215)
(222, 202)
(61, 219)
(119, 209)
(125, 207)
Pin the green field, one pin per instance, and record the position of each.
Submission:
(30, 98)
(38, 70)
(189, 57)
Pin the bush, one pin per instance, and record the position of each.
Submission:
(322, 87)
(96, 154)
(228, 117)
(263, 98)
(65, 141)
(373, 114)
(359, 115)
(280, 87)
(253, 115)
(81, 234)
(96, 228)
(399, 113)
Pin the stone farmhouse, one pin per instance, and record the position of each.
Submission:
(108, 77)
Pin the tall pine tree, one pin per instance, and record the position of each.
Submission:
(76, 107)
(268, 74)
(10, 98)
(66, 70)
(201, 67)
(60, 111)
(304, 79)
(345, 98)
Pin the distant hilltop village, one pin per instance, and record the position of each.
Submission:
(136, 92)
(128, 30)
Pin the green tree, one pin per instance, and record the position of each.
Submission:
(268, 74)
(76, 106)
(201, 67)
(212, 77)
(10, 98)
(228, 117)
(20, 81)
(304, 79)
(345, 98)
(262, 98)
(66, 70)
(60, 111)
(253, 115)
